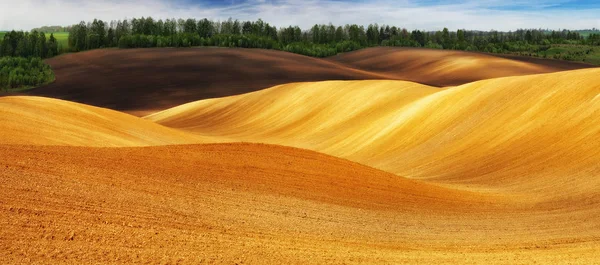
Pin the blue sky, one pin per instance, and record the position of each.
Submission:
(410, 14)
(500, 5)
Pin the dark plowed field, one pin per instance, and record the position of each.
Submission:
(141, 81)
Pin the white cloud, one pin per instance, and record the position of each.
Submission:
(469, 14)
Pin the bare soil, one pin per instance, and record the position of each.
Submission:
(262, 204)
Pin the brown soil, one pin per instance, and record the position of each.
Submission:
(140, 81)
(257, 204)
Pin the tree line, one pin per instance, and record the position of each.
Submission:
(318, 41)
(28, 44)
(19, 73)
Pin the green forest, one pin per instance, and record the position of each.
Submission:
(29, 44)
(18, 73)
(318, 41)
(21, 65)
(326, 40)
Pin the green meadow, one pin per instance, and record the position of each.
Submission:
(62, 38)
(586, 33)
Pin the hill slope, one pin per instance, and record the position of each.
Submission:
(506, 133)
(141, 81)
(447, 67)
(249, 203)
(496, 171)
(46, 121)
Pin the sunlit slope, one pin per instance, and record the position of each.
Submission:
(45, 121)
(532, 133)
(446, 67)
(322, 115)
(479, 133)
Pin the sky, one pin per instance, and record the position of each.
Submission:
(501, 15)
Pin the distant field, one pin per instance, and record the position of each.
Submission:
(566, 52)
(586, 33)
(579, 53)
(62, 38)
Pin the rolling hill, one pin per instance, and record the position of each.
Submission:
(447, 67)
(46, 121)
(142, 81)
(146, 80)
(496, 171)
(477, 134)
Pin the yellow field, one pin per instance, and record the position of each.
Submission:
(496, 171)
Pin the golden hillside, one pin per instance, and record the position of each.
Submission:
(46, 121)
(480, 133)
(497, 171)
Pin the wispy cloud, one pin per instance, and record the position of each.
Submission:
(428, 15)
